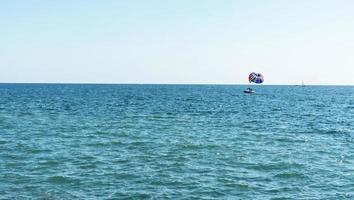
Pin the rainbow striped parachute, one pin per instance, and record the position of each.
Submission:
(256, 78)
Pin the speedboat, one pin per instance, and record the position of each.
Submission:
(249, 91)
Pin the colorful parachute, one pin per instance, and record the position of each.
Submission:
(256, 78)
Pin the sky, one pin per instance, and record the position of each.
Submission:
(177, 41)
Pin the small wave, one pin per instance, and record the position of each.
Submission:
(350, 107)
(275, 166)
(130, 195)
(49, 163)
(38, 151)
(288, 175)
(60, 179)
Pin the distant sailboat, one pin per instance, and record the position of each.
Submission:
(302, 84)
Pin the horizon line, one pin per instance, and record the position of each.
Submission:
(134, 83)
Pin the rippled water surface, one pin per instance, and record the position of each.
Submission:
(176, 142)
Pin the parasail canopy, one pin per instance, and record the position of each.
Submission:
(256, 78)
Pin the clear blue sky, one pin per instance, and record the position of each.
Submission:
(177, 41)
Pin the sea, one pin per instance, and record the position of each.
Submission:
(121, 141)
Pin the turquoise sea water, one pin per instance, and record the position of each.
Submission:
(176, 142)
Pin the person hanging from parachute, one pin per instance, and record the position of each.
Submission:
(256, 78)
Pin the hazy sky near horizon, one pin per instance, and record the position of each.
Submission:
(177, 41)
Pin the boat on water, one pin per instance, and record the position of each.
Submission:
(249, 91)
(256, 78)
